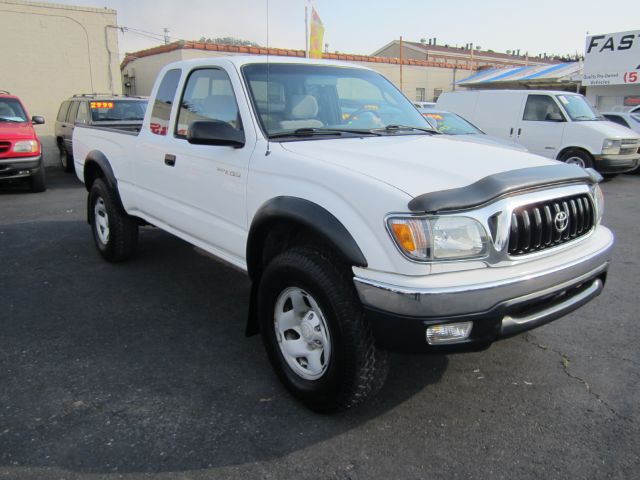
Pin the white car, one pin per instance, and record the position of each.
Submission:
(360, 228)
(555, 124)
(625, 119)
(448, 123)
(420, 105)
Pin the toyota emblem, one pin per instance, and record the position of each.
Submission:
(561, 221)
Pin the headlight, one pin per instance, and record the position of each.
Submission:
(599, 199)
(26, 146)
(438, 238)
(611, 147)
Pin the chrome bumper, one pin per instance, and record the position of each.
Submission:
(508, 294)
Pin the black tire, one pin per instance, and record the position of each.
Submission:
(578, 157)
(66, 160)
(121, 239)
(37, 182)
(356, 368)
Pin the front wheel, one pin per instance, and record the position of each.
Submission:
(315, 331)
(114, 232)
(577, 157)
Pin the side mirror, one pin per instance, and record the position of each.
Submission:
(215, 132)
(37, 120)
(554, 117)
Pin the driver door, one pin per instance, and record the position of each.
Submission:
(542, 125)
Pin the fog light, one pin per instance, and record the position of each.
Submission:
(449, 333)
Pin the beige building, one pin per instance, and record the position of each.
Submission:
(50, 52)
(419, 80)
(467, 56)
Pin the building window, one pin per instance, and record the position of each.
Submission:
(420, 94)
(436, 93)
(162, 105)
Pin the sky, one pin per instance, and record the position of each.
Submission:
(361, 26)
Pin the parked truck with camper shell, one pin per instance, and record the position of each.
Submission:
(361, 229)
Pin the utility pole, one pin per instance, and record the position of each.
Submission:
(401, 48)
(166, 36)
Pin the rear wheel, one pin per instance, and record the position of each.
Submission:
(577, 157)
(66, 160)
(315, 331)
(114, 232)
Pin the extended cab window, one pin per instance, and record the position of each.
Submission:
(542, 108)
(208, 95)
(162, 105)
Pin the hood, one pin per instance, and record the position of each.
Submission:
(417, 164)
(607, 129)
(16, 131)
(489, 140)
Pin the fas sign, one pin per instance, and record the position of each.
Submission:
(612, 59)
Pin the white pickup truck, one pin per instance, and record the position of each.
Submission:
(361, 229)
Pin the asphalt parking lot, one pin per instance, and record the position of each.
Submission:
(141, 370)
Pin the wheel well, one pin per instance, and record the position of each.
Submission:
(277, 236)
(571, 149)
(92, 171)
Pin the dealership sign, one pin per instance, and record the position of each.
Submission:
(612, 59)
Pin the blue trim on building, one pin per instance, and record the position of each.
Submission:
(508, 73)
(483, 73)
(545, 71)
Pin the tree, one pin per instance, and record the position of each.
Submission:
(229, 41)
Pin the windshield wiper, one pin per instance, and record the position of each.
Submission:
(310, 132)
(399, 128)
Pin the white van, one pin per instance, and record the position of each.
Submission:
(554, 124)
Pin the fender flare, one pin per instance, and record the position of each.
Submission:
(98, 158)
(308, 214)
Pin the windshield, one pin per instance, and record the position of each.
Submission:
(11, 111)
(117, 110)
(318, 98)
(451, 124)
(578, 108)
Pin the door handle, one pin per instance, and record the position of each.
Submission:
(170, 160)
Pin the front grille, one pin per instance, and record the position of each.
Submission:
(541, 225)
(5, 146)
(629, 147)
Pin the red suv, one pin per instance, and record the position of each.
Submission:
(20, 148)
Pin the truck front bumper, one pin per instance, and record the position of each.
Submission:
(526, 296)
(616, 163)
(19, 167)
